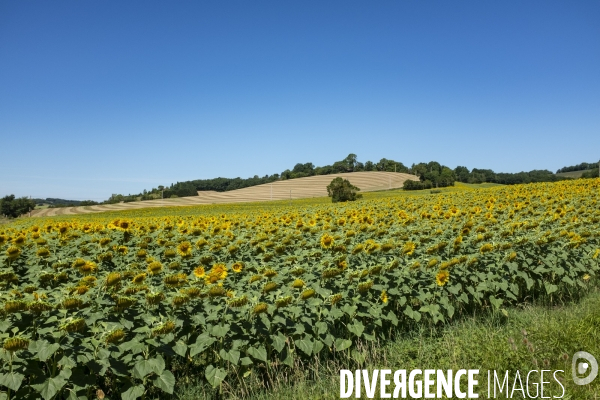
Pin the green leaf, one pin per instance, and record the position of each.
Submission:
(321, 327)
(180, 348)
(496, 302)
(305, 344)
(392, 318)
(50, 387)
(220, 330)
(46, 352)
(233, 356)
(12, 381)
(81, 379)
(278, 341)
(550, 288)
(214, 376)
(342, 344)
(144, 367)
(258, 353)
(357, 327)
(203, 342)
(165, 381)
(358, 356)
(318, 346)
(350, 310)
(133, 392)
(246, 361)
(409, 312)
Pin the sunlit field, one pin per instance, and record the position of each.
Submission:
(130, 303)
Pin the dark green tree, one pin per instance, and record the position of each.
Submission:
(342, 190)
(13, 207)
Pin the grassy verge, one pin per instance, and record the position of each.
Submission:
(532, 337)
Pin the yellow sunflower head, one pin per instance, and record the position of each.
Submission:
(184, 249)
(237, 267)
(442, 277)
(199, 272)
(327, 241)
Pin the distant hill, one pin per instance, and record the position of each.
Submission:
(300, 188)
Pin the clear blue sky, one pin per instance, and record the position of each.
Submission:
(101, 97)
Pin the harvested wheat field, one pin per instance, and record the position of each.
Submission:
(300, 188)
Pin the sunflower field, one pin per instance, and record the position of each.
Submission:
(121, 304)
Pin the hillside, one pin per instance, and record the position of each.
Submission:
(299, 188)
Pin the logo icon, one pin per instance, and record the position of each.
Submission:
(590, 365)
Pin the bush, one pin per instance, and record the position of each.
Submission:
(417, 185)
(342, 190)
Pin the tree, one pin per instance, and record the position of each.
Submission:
(342, 190)
(13, 207)
(462, 174)
(350, 161)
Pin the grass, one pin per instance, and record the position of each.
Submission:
(530, 337)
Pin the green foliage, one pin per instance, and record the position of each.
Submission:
(439, 175)
(487, 175)
(13, 207)
(341, 190)
(416, 185)
(579, 167)
(591, 174)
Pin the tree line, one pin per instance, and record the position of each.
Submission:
(431, 175)
(579, 167)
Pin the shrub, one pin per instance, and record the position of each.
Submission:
(342, 190)
(417, 185)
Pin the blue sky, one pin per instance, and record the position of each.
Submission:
(113, 97)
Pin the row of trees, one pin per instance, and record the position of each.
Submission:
(348, 164)
(579, 167)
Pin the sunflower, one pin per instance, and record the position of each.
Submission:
(486, 248)
(217, 273)
(155, 267)
(327, 241)
(371, 246)
(199, 272)
(43, 252)
(89, 267)
(19, 241)
(13, 252)
(237, 267)
(184, 249)
(384, 297)
(409, 248)
(442, 277)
